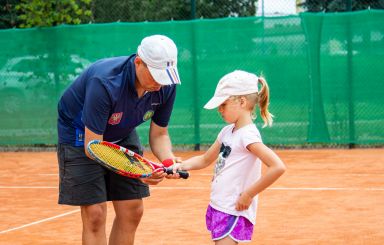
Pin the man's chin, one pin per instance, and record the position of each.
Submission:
(153, 89)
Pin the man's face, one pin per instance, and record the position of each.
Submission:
(144, 77)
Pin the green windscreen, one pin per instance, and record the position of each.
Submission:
(325, 73)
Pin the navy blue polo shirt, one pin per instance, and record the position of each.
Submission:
(104, 99)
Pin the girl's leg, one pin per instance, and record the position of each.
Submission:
(226, 241)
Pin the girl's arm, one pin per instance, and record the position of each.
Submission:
(201, 161)
(276, 168)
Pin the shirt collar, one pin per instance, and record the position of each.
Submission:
(131, 74)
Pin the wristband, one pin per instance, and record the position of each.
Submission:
(168, 162)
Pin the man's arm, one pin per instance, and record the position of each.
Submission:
(89, 136)
(160, 142)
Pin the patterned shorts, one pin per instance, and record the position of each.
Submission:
(221, 225)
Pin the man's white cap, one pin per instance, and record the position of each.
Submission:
(234, 83)
(160, 54)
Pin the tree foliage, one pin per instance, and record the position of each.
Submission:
(52, 12)
(341, 5)
(220, 8)
(8, 16)
(159, 10)
(137, 10)
(30, 13)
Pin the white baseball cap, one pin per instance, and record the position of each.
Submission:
(160, 54)
(234, 83)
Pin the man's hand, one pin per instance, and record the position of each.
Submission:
(155, 178)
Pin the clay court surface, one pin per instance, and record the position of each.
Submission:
(327, 196)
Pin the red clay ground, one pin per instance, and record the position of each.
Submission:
(327, 196)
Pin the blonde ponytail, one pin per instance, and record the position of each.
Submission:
(264, 103)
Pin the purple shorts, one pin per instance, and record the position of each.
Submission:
(221, 225)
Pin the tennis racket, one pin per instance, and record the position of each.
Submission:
(126, 162)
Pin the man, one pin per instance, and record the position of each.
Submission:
(107, 102)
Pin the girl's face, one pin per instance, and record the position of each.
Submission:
(231, 110)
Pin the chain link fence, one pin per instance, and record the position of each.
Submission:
(136, 11)
(314, 64)
(106, 11)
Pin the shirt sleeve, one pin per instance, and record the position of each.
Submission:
(251, 136)
(97, 105)
(222, 132)
(162, 114)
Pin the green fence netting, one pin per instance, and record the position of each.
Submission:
(325, 73)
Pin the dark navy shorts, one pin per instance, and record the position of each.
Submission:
(85, 182)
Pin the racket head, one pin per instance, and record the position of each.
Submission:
(119, 159)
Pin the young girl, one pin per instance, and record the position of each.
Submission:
(238, 152)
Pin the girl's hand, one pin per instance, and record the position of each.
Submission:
(175, 167)
(243, 202)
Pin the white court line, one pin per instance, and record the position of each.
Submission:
(176, 188)
(202, 174)
(28, 187)
(280, 188)
(327, 188)
(207, 188)
(40, 221)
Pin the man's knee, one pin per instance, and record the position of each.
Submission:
(137, 213)
(131, 212)
(94, 217)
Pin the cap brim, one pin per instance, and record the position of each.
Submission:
(167, 76)
(215, 102)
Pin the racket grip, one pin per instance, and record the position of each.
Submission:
(183, 174)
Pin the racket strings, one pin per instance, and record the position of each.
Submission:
(119, 160)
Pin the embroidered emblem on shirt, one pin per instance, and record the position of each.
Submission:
(148, 115)
(115, 118)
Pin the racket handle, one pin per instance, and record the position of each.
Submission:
(183, 174)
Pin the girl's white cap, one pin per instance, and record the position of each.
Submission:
(235, 83)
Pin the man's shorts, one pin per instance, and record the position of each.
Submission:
(222, 225)
(85, 182)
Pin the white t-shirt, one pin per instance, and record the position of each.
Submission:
(235, 170)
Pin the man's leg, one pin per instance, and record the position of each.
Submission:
(128, 216)
(94, 218)
(126, 195)
(82, 183)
